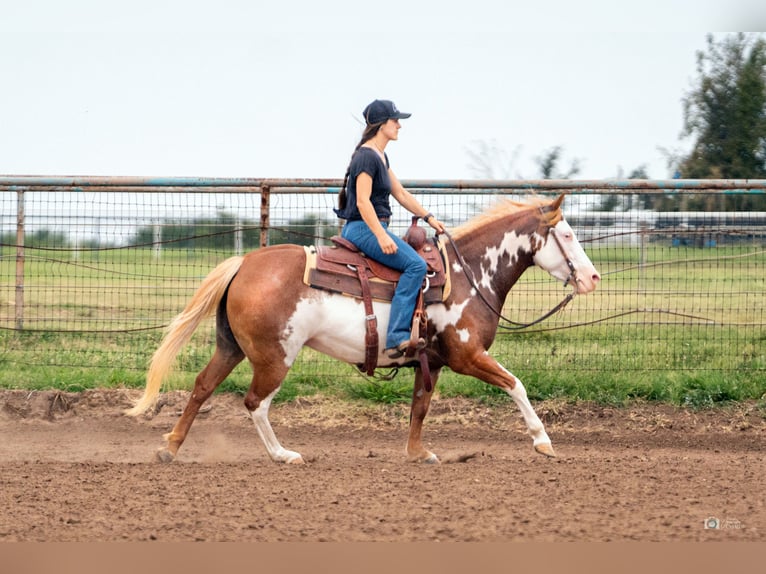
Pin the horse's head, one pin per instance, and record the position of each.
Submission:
(561, 254)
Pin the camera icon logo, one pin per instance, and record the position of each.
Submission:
(712, 523)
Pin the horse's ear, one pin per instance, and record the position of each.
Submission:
(556, 204)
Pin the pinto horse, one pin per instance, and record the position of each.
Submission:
(265, 313)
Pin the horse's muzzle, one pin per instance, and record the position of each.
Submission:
(586, 282)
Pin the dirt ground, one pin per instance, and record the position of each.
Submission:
(73, 468)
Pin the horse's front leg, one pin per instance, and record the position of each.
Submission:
(421, 401)
(483, 367)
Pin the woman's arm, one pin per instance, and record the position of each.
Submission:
(408, 202)
(367, 211)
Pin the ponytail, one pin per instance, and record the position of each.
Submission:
(342, 194)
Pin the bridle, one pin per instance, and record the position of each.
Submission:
(572, 279)
(514, 325)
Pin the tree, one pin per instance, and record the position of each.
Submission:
(45, 238)
(491, 161)
(548, 163)
(616, 201)
(219, 232)
(726, 113)
(303, 231)
(201, 233)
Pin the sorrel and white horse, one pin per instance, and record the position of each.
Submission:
(265, 313)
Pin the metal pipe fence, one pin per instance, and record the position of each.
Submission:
(93, 268)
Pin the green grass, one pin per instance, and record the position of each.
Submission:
(682, 389)
(59, 365)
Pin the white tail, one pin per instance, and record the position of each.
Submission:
(203, 304)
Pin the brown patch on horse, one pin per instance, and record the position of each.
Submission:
(546, 210)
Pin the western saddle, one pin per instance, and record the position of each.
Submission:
(342, 268)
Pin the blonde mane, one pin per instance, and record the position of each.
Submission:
(505, 207)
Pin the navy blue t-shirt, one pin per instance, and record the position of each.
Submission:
(367, 160)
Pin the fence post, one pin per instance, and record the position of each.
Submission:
(20, 260)
(157, 240)
(265, 208)
(238, 237)
(642, 254)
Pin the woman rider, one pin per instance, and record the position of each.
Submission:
(364, 204)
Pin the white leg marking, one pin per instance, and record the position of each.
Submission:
(534, 424)
(276, 451)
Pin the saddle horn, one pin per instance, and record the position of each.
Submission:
(416, 235)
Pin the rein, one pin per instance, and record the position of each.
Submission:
(514, 325)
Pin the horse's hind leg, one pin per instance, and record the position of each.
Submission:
(223, 362)
(421, 401)
(267, 378)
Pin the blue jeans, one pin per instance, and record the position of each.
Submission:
(406, 260)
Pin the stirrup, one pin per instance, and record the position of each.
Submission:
(402, 348)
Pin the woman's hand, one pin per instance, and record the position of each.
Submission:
(431, 220)
(436, 224)
(387, 244)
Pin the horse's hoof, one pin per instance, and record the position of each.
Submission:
(430, 458)
(290, 457)
(164, 456)
(546, 448)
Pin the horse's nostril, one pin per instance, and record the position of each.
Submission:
(596, 277)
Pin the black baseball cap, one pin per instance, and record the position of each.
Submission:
(380, 111)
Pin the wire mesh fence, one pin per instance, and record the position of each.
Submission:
(90, 275)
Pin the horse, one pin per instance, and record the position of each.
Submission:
(266, 313)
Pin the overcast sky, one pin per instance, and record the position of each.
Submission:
(275, 88)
